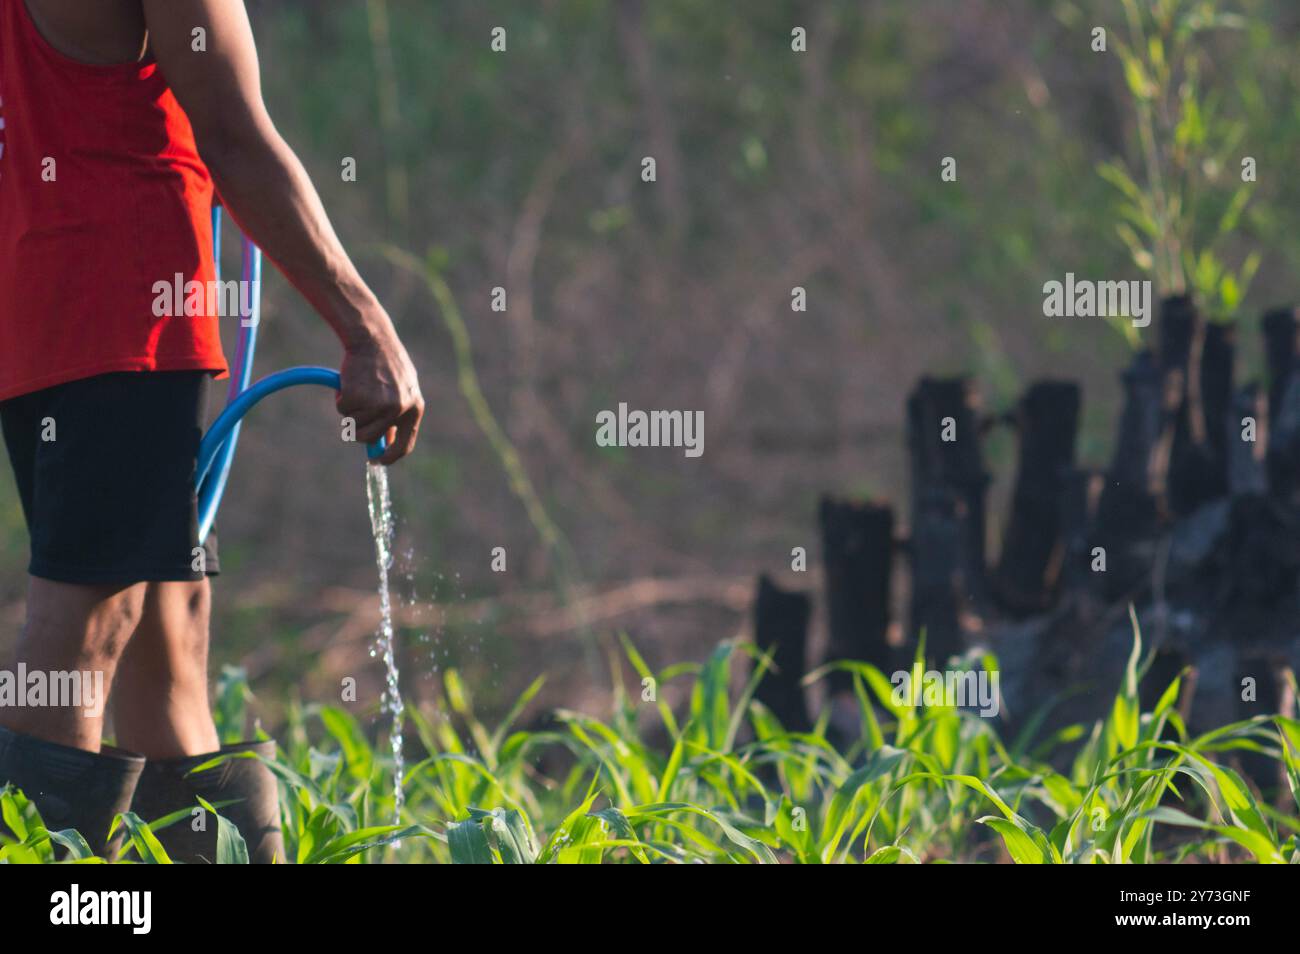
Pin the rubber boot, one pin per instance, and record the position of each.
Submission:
(71, 788)
(166, 787)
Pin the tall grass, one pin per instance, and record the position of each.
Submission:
(727, 783)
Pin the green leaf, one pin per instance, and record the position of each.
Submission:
(148, 847)
(891, 855)
(231, 849)
(1020, 846)
(469, 844)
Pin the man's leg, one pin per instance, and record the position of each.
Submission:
(161, 708)
(52, 752)
(161, 704)
(72, 628)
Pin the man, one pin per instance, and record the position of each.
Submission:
(119, 118)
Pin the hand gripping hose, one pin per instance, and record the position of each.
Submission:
(217, 449)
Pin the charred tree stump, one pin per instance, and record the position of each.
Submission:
(1281, 328)
(1027, 574)
(1247, 473)
(1282, 454)
(1198, 470)
(949, 485)
(937, 590)
(858, 556)
(1255, 566)
(1077, 515)
(1176, 338)
(1177, 356)
(1216, 394)
(1128, 513)
(1281, 341)
(781, 626)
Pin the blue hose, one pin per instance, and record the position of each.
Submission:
(241, 369)
(217, 449)
(222, 433)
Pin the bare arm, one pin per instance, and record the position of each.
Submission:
(269, 193)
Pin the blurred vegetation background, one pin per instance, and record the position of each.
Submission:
(521, 169)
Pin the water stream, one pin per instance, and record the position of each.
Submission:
(381, 525)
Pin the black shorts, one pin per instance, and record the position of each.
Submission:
(105, 469)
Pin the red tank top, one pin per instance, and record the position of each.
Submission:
(102, 197)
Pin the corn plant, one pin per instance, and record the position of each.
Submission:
(724, 782)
